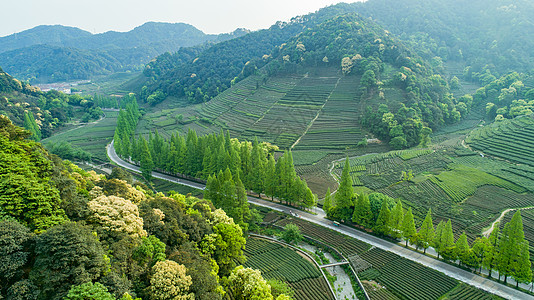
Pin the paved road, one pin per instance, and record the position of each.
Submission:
(452, 271)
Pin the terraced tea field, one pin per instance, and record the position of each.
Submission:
(456, 183)
(92, 137)
(276, 261)
(402, 278)
(337, 126)
(511, 140)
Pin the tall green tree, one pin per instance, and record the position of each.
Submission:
(462, 249)
(522, 271)
(447, 245)
(327, 204)
(426, 232)
(436, 242)
(408, 227)
(382, 222)
(344, 195)
(491, 250)
(362, 211)
(147, 165)
(510, 245)
(396, 219)
(31, 125)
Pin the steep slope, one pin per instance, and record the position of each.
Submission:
(27, 106)
(202, 76)
(493, 37)
(318, 88)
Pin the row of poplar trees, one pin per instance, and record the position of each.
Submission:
(505, 251)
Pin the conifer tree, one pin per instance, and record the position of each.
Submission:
(491, 251)
(462, 249)
(362, 211)
(521, 267)
(345, 191)
(447, 242)
(395, 220)
(436, 243)
(478, 249)
(426, 232)
(408, 227)
(270, 177)
(31, 125)
(510, 245)
(381, 225)
(147, 165)
(327, 204)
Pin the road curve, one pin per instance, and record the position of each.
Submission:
(319, 219)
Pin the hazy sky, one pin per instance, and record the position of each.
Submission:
(210, 16)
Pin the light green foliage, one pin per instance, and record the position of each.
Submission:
(362, 211)
(292, 234)
(89, 291)
(26, 192)
(462, 249)
(447, 246)
(327, 204)
(151, 250)
(396, 219)
(247, 283)
(382, 222)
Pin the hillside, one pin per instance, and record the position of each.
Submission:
(491, 37)
(22, 102)
(322, 79)
(202, 75)
(40, 54)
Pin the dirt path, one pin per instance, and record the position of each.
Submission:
(488, 231)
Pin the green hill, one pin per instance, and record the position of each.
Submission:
(58, 53)
(312, 91)
(492, 37)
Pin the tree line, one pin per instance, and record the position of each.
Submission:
(216, 158)
(505, 251)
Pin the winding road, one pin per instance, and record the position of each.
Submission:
(319, 219)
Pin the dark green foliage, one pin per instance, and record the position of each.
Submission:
(68, 254)
(15, 245)
(481, 33)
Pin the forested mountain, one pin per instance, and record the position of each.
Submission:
(492, 37)
(43, 53)
(201, 75)
(44, 34)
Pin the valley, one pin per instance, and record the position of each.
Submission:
(393, 140)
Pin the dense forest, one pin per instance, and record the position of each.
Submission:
(66, 233)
